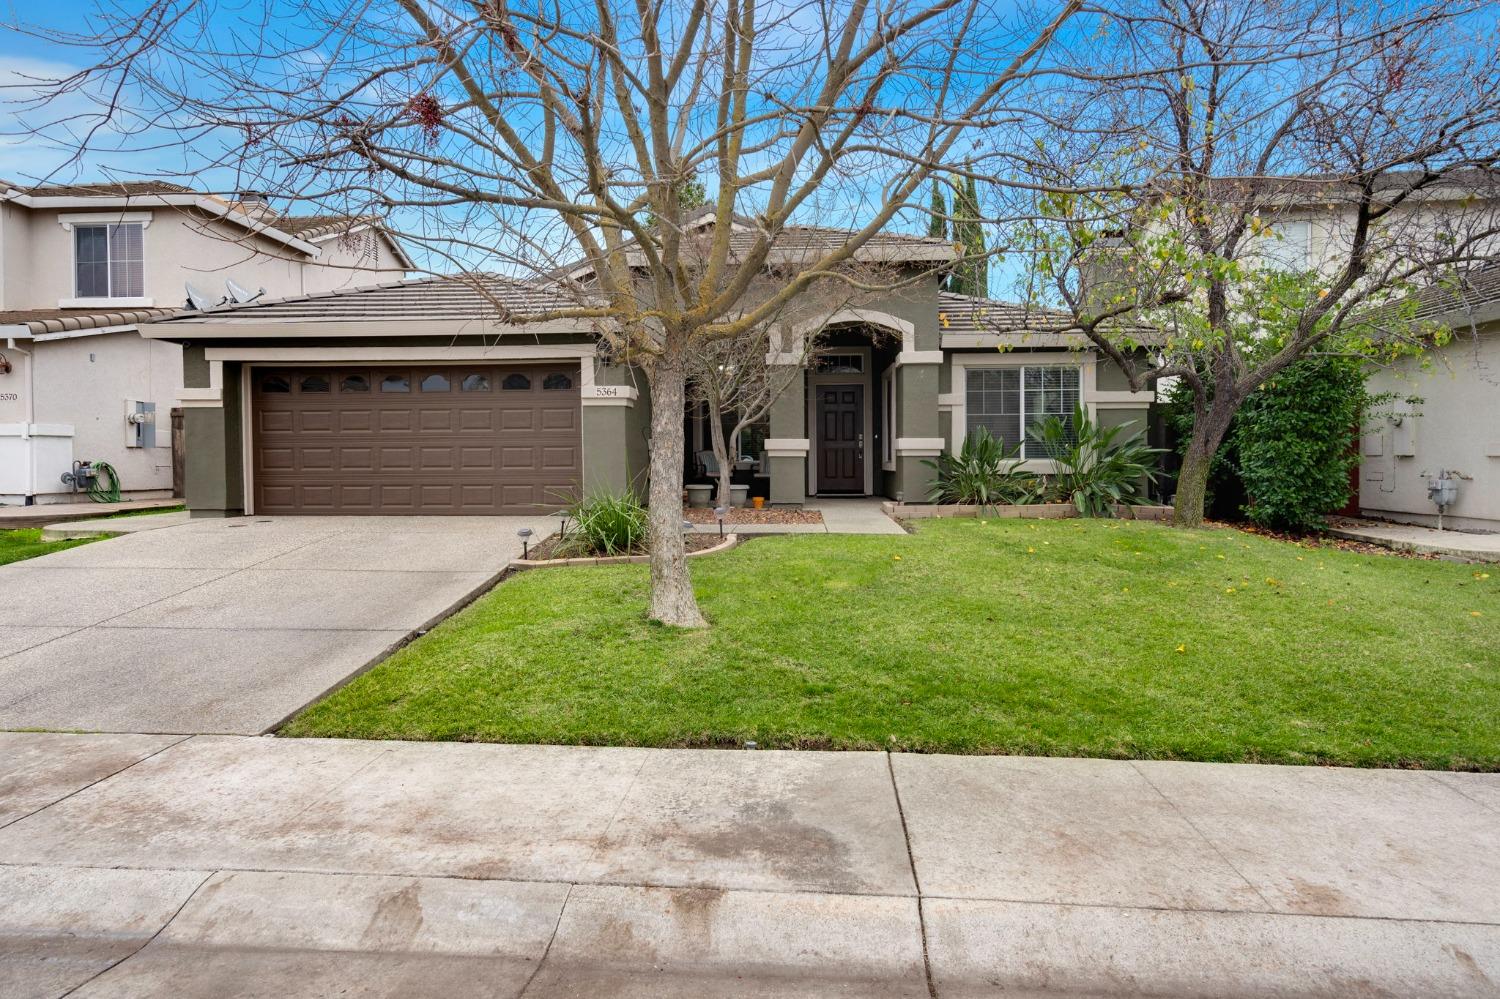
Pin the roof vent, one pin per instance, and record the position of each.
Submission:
(252, 198)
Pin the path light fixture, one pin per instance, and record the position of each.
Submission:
(721, 512)
(525, 535)
(687, 525)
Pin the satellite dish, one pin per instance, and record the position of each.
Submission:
(198, 300)
(238, 295)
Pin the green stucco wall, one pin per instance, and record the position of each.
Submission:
(214, 476)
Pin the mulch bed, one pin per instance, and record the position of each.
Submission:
(1328, 541)
(749, 515)
(547, 548)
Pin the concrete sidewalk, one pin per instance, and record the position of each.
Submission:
(842, 515)
(40, 514)
(114, 526)
(1466, 546)
(221, 866)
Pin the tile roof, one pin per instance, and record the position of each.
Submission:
(108, 189)
(40, 321)
(1458, 301)
(805, 242)
(965, 314)
(313, 226)
(464, 297)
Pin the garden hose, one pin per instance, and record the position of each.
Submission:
(100, 493)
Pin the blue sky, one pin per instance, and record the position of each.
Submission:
(27, 159)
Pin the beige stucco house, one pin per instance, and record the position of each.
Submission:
(82, 265)
(413, 398)
(1443, 417)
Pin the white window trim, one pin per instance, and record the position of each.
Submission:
(71, 219)
(959, 397)
(68, 222)
(888, 420)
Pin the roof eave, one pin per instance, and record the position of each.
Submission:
(209, 327)
(212, 206)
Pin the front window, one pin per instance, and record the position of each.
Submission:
(1007, 401)
(109, 260)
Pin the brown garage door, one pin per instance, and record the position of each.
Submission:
(415, 440)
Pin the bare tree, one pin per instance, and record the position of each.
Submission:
(523, 139)
(1269, 182)
(733, 380)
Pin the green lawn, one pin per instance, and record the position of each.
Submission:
(27, 543)
(1088, 638)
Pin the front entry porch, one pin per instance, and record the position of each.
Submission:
(860, 420)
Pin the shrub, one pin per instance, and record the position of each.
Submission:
(983, 472)
(1099, 466)
(605, 523)
(1295, 443)
(1285, 461)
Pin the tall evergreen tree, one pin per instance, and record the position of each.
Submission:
(937, 215)
(972, 277)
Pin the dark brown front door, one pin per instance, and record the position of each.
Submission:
(841, 438)
(476, 439)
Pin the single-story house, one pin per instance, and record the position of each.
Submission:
(411, 398)
(1442, 417)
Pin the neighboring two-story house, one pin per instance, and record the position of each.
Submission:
(1440, 413)
(414, 398)
(82, 265)
(1442, 419)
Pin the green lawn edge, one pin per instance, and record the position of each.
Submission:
(1070, 638)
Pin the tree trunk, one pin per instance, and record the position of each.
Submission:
(672, 600)
(721, 454)
(1192, 487)
(1192, 479)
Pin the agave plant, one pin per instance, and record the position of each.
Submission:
(983, 472)
(1098, 466)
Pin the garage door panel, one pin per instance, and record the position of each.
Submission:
(397, 459)
(317, 459)
(476, 419)
(358, 448)
(518, 419)
(316, 498)
(556, 459)
(270, 421)
(277, 496)
(438, 459)
(514, 459)
(357, 498)
(357, 459)
(279, 458)
(316, 421)
(395, 496)
(480, 496)
(476, 459)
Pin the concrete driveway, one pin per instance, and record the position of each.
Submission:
(229, 626)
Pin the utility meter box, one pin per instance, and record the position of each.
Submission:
(140, 423)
